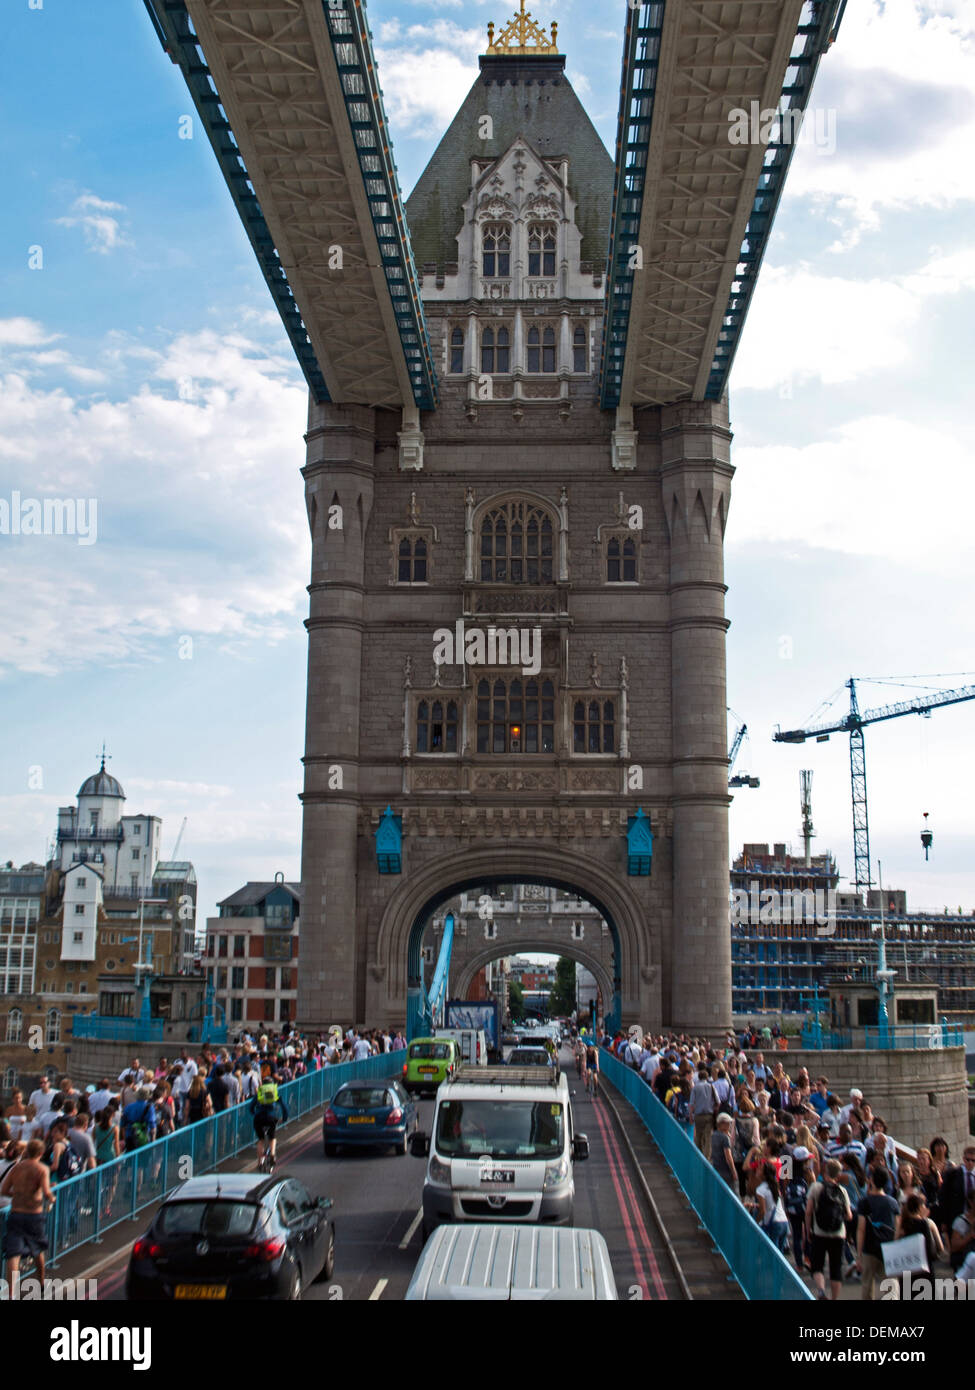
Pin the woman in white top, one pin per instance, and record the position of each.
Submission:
(772, 1217)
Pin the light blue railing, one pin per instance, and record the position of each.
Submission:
(757, 1265)
(920, 1035)
(816, 1037)
(92, 1203)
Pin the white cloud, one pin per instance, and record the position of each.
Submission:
(864, 489)
(901, 79)
(803, 325)
(25, 333)
(102, 232)
(426, 71)
(201, 527)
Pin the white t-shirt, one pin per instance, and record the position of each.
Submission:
(41, 1101)
(651, 1065)
(361, 1050)
(98, 1100)
(190, 1068)
(778, 1213)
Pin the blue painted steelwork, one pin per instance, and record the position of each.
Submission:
(172, 25)
(818, 27)
(639, 840)
(641, 56)
(352, 45)
(92, 1203)
(430, 1005)
(755, 1263)
(918, 1035)
(389, 843)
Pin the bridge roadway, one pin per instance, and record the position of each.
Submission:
(377, 1198)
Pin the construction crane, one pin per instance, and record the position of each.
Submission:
(805, 802)
(853, 724)
(178, 839)
(741, 779)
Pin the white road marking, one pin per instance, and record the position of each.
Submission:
(378, 1290)
(412, 1230)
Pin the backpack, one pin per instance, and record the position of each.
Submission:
(137, 1134)
(830, 1208)
(796, 1192)
(727, 1105)
(680, 1108)
(267, 1095)
(70, 1164)
(884, 1228)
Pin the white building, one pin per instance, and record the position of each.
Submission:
(124, 850)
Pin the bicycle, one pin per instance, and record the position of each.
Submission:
(592, 1083)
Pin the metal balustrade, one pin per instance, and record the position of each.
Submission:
(93, 1203)
(756, 1264)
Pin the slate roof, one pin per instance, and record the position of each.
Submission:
(531, 98)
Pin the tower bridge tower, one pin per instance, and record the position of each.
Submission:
(589, 541)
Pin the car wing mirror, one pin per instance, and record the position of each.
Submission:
(580, 1147)
(419, 1144)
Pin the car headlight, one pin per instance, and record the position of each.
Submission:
(556, 1173)
(438, 1173)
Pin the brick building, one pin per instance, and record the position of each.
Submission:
(252, 954)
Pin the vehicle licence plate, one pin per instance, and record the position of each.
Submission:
(498, 1175)
(428, 1071)
(362, 1119)
(200, 1291)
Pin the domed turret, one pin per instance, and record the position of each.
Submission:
(101, 783)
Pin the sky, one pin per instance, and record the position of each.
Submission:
(142, 365)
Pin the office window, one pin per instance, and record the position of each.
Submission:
(457, 350)
(237, 977)
(79, 909)
(240, 945)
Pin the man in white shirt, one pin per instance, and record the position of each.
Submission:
(43, 1098)
(855, 1099)
(135, 1071)
(650, 1065)
(361, 1049)
(189, 1067)
(100, 1098)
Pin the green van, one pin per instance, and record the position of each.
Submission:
(429, 1061)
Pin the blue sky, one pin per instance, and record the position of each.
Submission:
(143, 365)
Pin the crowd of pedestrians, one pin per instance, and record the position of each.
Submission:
(820, 1173)
(53, 1134)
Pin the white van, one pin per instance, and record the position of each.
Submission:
(502, 1149)
(472, 1043)
(513, 1263)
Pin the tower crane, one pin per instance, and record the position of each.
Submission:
(179, 838)
(853, 724)
(741, 779)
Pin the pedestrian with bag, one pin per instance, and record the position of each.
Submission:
(827, 1212)
(876, 1215)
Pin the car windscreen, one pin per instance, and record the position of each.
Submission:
(501, 1128)
(438, 1052)
(211, 1218)
(529, 1057)
(361, 1098)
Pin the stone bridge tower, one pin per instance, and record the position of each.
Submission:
(516, 630)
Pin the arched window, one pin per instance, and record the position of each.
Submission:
(15, 1023)
(10, 1079)
(580, 350)
(412, 567)
(594, 726)
(457, 350)
(541, 349)
(52, 1026)
(496, 250)
(436, 726)
(516, 545)
(541, 249)
(495, 351)
(621, 560)
(515, 716)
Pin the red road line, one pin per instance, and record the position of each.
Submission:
(632, 1208)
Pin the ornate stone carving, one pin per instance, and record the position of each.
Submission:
(593, 779)
(430, 779)
(496, 205)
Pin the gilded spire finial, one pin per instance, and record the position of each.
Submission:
(523, 36)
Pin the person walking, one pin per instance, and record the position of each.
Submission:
(827, 1212)
(722, 1153)
(28, 1185)
(702, 1111)
(876, 1218)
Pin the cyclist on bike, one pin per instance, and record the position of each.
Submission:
(592, 1069)
(265, 1108)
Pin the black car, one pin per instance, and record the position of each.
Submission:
(234, 1235)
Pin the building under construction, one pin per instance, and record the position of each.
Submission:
(777, 966)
